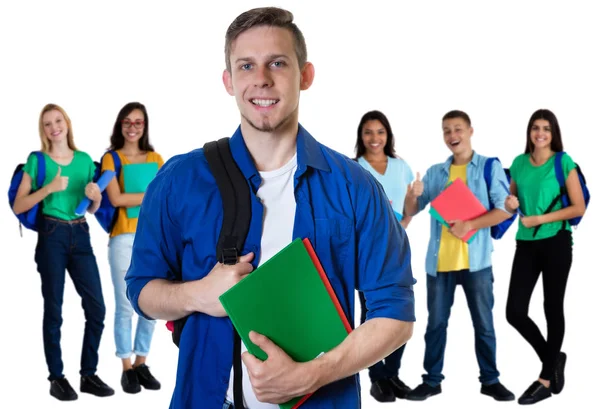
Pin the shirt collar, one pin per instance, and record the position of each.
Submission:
(309, 154)
(474, 161)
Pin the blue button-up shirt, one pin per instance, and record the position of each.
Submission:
(436, 179)
(340, 208)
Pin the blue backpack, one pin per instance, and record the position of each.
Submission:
(107, 214)
(30, 218)
(498, 230)
(563, 195)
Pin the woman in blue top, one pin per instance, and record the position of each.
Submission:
(375, 152)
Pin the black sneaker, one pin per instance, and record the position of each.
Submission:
(557, 381)
(94, 385)
(62, 390)
(145, 377)
(130, 381)
(535, 393)
(381, 391)
(400, 389)
(498, 392)
(424, 391)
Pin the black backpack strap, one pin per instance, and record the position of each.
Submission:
(237, 213)
(548, 210)
(235, 195)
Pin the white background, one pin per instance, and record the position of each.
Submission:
(497, 61)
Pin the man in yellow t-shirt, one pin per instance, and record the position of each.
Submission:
(452, 261)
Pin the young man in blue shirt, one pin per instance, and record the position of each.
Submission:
(451, 261)
(299, 189)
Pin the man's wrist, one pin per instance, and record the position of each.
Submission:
(193, 303)
(313, 375)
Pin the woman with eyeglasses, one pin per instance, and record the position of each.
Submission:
(138, 165)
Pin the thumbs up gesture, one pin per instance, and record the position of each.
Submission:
(59, 183)
(415, 189)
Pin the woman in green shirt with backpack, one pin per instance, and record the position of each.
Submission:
(544, 245)
(64, 244)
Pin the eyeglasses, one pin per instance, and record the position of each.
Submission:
(127, 123)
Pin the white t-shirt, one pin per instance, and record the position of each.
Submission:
(277, 196)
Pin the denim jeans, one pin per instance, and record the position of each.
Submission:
(228, 405)
(119, 258)
(388, 367)
(64, 245)
(478, 288)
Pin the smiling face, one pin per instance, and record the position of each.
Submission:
(265, 78)
(132, 126)
(457, 135)
(374, 137)
(541, 134)
(55, 126)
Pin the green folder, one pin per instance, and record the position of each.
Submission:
(434, 213)
(289, 300)
(137, 177)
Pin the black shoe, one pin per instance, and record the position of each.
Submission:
(399, 388)
(145, 377)
(382, 391)
(130, 382)
(535, 393)
(94, 385)
(62, 390)
(557, 381)
(497, 391)
(424, 391)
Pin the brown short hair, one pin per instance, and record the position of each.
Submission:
(457, 114)
(265, 16)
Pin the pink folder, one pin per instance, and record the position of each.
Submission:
(457, 202)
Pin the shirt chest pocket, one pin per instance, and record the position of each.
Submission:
(333, 239)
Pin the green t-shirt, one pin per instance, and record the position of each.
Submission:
(537, 186)
(80, 172)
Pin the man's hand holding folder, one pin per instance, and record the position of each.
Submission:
(279, 379)
(459, 228)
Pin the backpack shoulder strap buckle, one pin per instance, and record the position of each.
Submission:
(229, 256)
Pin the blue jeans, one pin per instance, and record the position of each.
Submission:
(228, 405)
(64, 245)
(119, 258)
(390, 366)
(478, 287)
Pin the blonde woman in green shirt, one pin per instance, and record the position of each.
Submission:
(544, 246)
(64, 244)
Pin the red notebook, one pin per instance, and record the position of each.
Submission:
(457, 202)
(319, 267)
(338, 307)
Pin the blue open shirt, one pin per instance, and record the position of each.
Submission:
(340, 208)
(436, 179)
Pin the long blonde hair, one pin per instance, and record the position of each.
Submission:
(44, 138)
